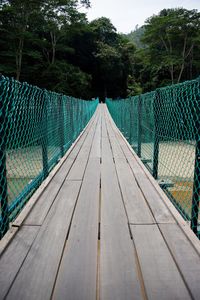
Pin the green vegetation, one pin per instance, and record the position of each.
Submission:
(52, 45)
(136, 36)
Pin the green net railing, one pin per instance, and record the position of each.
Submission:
(163, 127)
(37, 127)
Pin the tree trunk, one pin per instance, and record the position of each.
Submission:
(19, 54)
(181, 72)
(53, 44)
(169, 49)
(183, 57)
(53, 54)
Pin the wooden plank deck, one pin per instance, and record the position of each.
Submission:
(101, 229)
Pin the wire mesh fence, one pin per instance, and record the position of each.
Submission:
(163, 127)
(37, 127)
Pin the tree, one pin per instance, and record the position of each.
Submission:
(113, 59)
(58, 14)
(18, 15)
(171, 37)
(104, 31)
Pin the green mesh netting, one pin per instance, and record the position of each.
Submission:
(37, 127)
(163, 127)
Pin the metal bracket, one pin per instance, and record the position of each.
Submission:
(164, 184)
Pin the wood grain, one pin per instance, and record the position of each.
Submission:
(37, 274)
(162, 279)
(118, 272)
(78, 269)
(13, 257)
(185, 255)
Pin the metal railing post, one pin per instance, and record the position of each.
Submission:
(44, 137)
(131, 122)
(196, 183)
(156, 136)
(3, 172)
(71, 111)
(61, 124)
(196, 190)
(139, 133)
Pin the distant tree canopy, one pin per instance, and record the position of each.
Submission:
(52, 44)
(172, 40)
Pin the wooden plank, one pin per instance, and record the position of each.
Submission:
(183, 224)
(78, 144)
(38, 272)
(7, 238)
(186, 257)
(160, 212)
(162, 279)
(96, 144)
(13, 257)
(103, 126)
(78, 168)
(118, 271)
(116, 149)
(191, 236)
(131, 155)
(165, 199)
(70, 154)
(78, 269)
(40, 211)
(136, 207)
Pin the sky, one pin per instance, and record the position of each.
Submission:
(126, 14)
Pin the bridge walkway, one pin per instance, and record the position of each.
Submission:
(100, 227)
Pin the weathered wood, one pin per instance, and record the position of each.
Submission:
(136, 207)
(37, 274)
(79, 143)
(96, 145)
(185, 255)
(40, 211)
(160, 212)
(78, 168)
(78, 270)
(130, 153)
(65, 260)
(70, 154)
(13, 257)
(118, 271)
(191, 236)
(162, 279)
(103, 125)
(7, 238)
(116, 149)
(38, 214)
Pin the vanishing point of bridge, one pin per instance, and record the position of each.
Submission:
(100, 227)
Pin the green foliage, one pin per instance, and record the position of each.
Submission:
(52, 44)
(136, 36)
(133, 87)
(172, 38)
(104, 31)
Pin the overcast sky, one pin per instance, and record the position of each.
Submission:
(126, 14)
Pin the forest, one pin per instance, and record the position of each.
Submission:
(52, 44)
